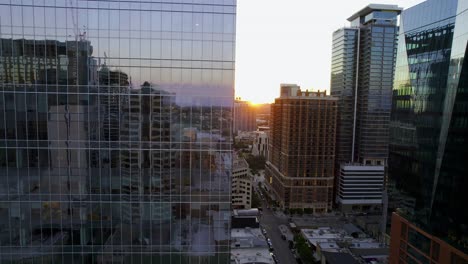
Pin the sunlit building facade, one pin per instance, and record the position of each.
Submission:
(429, 136)
(301, 155)
(115, 131)
(244, 116)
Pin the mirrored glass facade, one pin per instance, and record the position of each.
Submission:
(115, 130)
(363, 63)
(429, 123)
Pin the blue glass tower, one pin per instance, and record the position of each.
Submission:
(429, 130)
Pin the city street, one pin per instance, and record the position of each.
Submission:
(270, 221)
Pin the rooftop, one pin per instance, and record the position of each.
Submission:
(251, 255)
(339, 258)
(240, 163)
(370, 252)
(247, 238)
(372, 7)
(245, 212)
(322, 235)
(361, 167)
(309, 95)
(329, 247)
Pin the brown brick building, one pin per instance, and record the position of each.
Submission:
(300, 167)
(411, 244)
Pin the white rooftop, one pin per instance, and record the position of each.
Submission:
(247, 238)
(251, 255)
(329, 246)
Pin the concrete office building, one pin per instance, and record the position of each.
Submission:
(260, 144)
(363, 59)
(241, 184)
(301, 160)
(360, 185)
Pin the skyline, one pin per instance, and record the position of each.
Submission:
(262, 41)
(123, 139)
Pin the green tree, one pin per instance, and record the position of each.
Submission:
(255, 200)
(303, 249)
(256, 163)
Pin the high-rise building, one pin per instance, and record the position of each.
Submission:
(260, 144)
(241, 184)
(244, 116)
(116, 131)
(429, 136)
(363, 60)
(300, 167)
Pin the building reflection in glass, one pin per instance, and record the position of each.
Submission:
(429, 127)
(115, 135)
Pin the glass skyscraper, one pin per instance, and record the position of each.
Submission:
(115, 130)
(429, 135)
(363, 62)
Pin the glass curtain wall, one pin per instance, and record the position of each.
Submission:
(115, 130)
(429, 124)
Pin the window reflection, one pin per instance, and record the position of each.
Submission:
(115, 134)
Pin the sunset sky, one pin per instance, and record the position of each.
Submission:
(289, 41)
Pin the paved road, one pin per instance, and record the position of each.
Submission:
(270, 222)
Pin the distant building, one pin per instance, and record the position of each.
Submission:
(47, 62)
(260, 144)
(288, 90)
(241, 184)
(263, 114)
(301, 159)
(245, 137)
(363, 61)
(428, 156)
(244, 116)
(263, 128)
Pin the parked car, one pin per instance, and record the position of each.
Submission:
(274, 258)
(270, 245)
